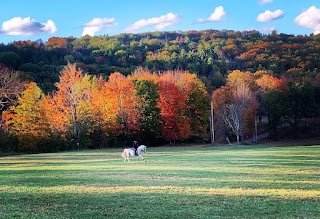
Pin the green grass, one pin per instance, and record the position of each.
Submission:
(177, 182)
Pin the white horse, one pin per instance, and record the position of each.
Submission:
(131, 152)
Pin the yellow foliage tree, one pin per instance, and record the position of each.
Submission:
(27, 119)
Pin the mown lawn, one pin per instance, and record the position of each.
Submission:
(177, 182)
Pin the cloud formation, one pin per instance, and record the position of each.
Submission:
(158, 22)
(268, 29)
(97, 24)
(262, 2)
(270, 16)
(310, 19)
(217, 15)
(27, 26)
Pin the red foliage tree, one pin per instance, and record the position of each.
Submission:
(175, 123)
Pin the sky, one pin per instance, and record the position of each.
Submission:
(35, 19)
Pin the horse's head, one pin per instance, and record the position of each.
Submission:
(142, 148)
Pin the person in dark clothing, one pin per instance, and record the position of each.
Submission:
(135, 146)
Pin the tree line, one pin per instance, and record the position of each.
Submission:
(286, 104)
(86, 111)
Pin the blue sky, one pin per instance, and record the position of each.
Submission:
(34, 19)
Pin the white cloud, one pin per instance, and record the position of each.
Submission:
(27, 26)
(217, 15)
(268, 29)
(158, 22)
(270, 16)
(310, 19)
(262, 2)
(97, 24)
(50, 27)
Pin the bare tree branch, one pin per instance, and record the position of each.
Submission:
(10, 87)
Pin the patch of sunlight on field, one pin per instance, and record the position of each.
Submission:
(51, 161)
(235, 180)
(283, 193)
(97, 164)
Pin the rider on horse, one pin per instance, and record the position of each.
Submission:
(135, 146)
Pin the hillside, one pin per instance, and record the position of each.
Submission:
(211, 54)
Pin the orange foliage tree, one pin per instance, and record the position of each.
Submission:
(100, 111)
(68, 108)
(120, 109)
(268, 83)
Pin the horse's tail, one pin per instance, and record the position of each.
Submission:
(123, 155)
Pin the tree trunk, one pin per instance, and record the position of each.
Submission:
(238, 139)
(76, 127)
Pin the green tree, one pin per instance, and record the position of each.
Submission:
(148, 95)
(302, 103)
(197, 104)
(277, 106)
(10, 59)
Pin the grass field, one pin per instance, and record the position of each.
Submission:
(177, 182)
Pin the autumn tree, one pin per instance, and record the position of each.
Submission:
(121, 106)
(220, 98)
(27, 120)
(69, 107)
(236, 105)
(267, 83)
(175, 123)
(100, 112)
(237, 77)
(274, 102)
(141, 73)
(197, 104)
(57, 42)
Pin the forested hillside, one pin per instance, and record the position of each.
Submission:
(156, 87)
(210, 54)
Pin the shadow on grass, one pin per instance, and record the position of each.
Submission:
(154, 205)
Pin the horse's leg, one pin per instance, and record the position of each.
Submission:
(126, 158)
(139, 156)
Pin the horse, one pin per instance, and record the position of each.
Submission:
(131, 152)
